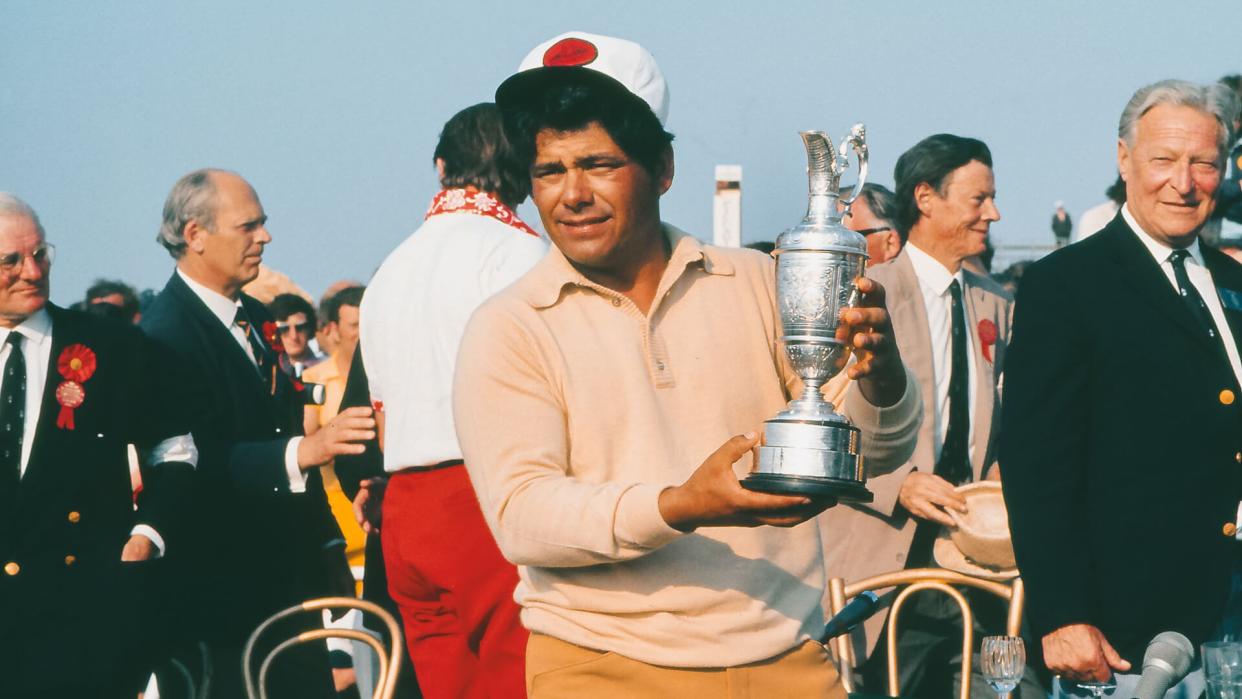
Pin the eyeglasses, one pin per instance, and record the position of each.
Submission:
(12, 261)
(284, 328)
(868, 231)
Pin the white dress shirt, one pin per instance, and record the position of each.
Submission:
(225, 309)
(413, 317)
(36, 344)
(1199, 276)
(934, 282)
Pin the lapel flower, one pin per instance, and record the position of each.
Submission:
(76, 364)
(271, 334)
(987, 337)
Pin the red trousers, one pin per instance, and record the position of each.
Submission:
(454, 588)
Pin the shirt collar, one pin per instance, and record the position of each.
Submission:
(554, 272)
(221, 306)
(931, 273)
(1159, 250)
(36, 328)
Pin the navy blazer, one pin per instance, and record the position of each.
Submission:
(70, 611)
(1121, 445)
(261, 546)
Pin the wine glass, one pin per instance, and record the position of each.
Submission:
(1004, 660)
(1222, 668)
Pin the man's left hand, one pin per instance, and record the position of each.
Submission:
(868, 330)
(138, 548)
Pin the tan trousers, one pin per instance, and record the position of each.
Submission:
(559, 670)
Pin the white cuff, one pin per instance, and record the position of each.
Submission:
(180, 449)
(297, 477)
(151, 534)
(1238, 523)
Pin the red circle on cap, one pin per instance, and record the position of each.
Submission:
(570, 52)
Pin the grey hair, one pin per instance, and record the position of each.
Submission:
(193, 198)
(12, 205)
(1209, 99)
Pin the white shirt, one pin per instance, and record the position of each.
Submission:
(1094, 219)
(1199, 277)
(412, 319)
(36, 344)
(934, 282)
(225, 309)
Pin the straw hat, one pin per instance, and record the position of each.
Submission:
(980, 544)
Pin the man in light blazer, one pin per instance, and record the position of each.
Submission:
(952, 327)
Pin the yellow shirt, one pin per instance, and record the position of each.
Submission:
(333, 382)
(574, 410)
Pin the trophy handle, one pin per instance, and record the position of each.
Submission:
(858, 140)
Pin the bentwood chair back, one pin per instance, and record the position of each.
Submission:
(389, 658)
(912, 581)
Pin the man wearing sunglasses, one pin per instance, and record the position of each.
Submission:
(76, 556)
(295, 324)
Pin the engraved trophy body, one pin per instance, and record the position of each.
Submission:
(809, 448)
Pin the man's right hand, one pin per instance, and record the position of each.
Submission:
(928, 496)
(713, 497)
(1079, 652)
(344, 434)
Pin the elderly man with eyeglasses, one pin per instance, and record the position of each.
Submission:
(76, 555)
(871, 215)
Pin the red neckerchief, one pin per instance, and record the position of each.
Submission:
(469, 200)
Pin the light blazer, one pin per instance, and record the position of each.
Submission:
(864, 540)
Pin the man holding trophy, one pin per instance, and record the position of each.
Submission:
(607, 402)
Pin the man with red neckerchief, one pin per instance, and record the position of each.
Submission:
(445, 571)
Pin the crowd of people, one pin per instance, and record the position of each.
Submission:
(529, 448)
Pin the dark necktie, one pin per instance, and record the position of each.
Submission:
(252, 336)
(954, 463)
(1192, 299)
(12, 413)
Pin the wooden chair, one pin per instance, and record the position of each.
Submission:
(389, 659)
(912, 581)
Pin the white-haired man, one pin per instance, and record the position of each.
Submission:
(1124, 516)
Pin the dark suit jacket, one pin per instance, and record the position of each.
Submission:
(261, 546)
(1121, 452)
(70, 611)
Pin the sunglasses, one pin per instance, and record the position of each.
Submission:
(868, 231)
(284, 328)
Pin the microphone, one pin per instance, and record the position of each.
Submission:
(856, 612)
(1165, 663)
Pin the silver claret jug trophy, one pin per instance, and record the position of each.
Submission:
(809, 448)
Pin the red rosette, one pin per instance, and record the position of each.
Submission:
(70, 395)
(987, 337)
(272, 335)
(76, 363)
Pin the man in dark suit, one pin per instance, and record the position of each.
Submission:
(268, 538)
(76, 555)
(1121, 439)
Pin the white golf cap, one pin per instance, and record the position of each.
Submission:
(624, 63)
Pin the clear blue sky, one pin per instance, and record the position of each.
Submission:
(332, 109)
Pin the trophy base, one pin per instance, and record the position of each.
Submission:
(810, 486)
